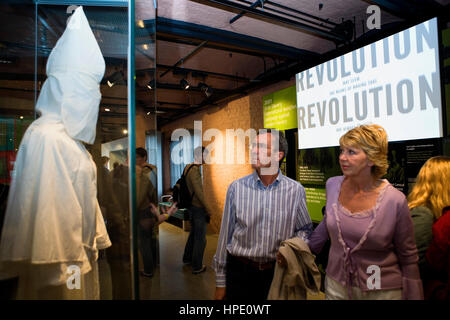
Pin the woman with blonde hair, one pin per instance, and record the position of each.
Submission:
(372, 254)
(429, 196)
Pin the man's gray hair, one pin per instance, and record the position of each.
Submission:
(282, 142)
(198, 153)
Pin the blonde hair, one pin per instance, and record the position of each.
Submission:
(372, 139)
(432, 189)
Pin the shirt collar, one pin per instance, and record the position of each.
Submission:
(277, 180)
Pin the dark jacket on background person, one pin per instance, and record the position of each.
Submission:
(145, 190)
(423, 219)
(194, 183)
(145, 194)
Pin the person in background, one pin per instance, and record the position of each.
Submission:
(261, 210)
(428, 201)
(199, 215)
(438, 260)
(373, 254)
(105, 161)
(145, 196)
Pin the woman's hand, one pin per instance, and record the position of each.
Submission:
(166, 212)
(171, 210)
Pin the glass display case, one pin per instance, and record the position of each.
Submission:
(29, 32)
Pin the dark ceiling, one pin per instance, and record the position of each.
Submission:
(223, 49)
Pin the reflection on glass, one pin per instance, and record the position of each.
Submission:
(147, 167)
(95, 272)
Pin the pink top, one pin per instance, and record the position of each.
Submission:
(381, 236)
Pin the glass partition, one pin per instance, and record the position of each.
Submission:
(148, 170)
(93, 253)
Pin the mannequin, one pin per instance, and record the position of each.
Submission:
(53, 221)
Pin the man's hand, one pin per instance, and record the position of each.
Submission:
(220, 293)
(281, 260)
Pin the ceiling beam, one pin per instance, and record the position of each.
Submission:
(267, 16)
(186, 57)
(216, 36)
(326, 21)
(161, 103)
(176, 110)
(268, 4)
(193, 71)
(210, 45)
(252, 5)
(177, 87)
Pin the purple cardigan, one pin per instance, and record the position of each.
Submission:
(382, 236)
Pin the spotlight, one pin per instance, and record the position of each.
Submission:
(107, 109)
(21, 117)
(116, 78)
(125, 131)
(151, 84)
(207, 90)
(184, 84)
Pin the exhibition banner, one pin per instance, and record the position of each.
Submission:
(280, 109)
(314, 168)
(417, 153)
(393, 82)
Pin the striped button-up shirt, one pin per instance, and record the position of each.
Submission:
(257, 218)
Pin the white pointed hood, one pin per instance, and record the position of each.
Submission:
(75, 68)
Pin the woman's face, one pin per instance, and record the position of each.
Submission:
(354, 161)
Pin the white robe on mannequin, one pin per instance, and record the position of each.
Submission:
(53, 219)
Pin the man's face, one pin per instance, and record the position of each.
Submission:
(264, 155)
(199, 157)
(140, 160)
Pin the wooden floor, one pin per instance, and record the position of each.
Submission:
(174, 281)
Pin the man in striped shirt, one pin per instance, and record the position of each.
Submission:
(261, 210)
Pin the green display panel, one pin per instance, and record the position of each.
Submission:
(314, 168)
(316, 199)
(280, 109)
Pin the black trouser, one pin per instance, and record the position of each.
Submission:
(147, 246)
(245, 281)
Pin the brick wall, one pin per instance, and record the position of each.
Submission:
(243, 113)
